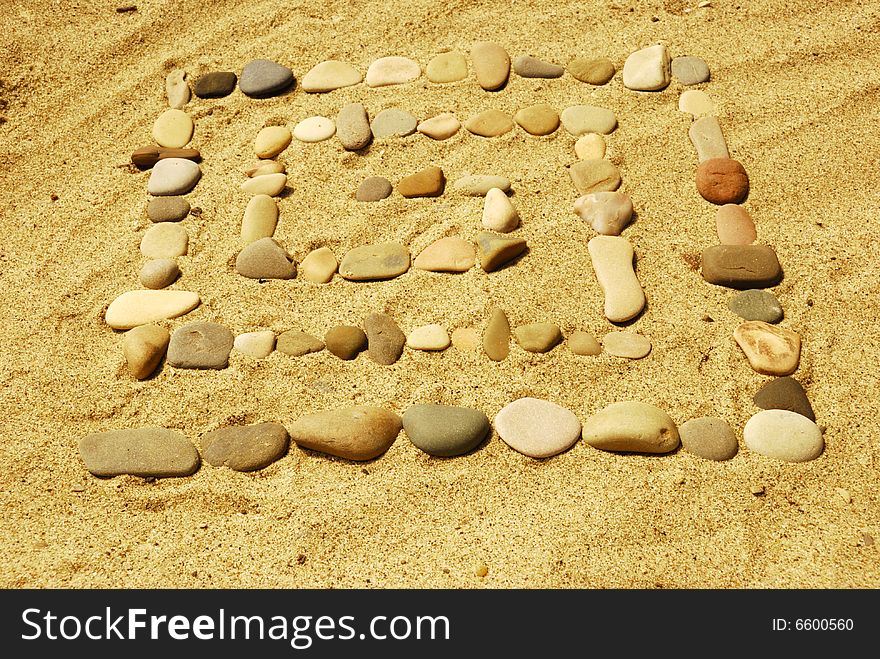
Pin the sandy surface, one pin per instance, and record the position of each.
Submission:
(80, 85)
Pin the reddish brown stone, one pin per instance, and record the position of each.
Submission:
(147, 156)
(722, 181)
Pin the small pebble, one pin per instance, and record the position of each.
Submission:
(477, 185)
(741, 266)
(329, 75)
(607, 212)
(260, 218)
(497, 250)
(393, 123)
(392, 70)
(445, 430)
(648, 69)
(708, 140)
(537, 428)
(755, 304)
(385, 340)
(245, 448)
(353, 127)
(690, 70)
(268, 184)
(173, 129)
(785, 393)
(590, 147)
(466, 339)
(482, 570)
(770, 349)
(271, 141)
(447, 67)
(498, 212)
(584, 343)
(144, 452)
(428, 337)
(538, 119)
(429, 182)
(258, 345)
(165, 241)
(354, 433)
(531, 67)
(696, 103)
(496, 338)
(538, 337)
(143, 348)
(582, 119)
(628, 345)
(594, 176)
(612, 258)
(314, 129)
(490, 123)
(722, 181)
(491, 65)
(159, 273)
(167, 209)
(783, 435)
(173, 176)
(449, 254)
(319, 266)
(374, 188)
(709, 437)
(633, 427)
(596, 71)
(345, 341)
(200, 345)
(441, 127)
(135, 308)
(372, 262)
(177, 89)
(262, 78)
(265, 259)
(757, 489)
(215, 84)
(296, 343)
(735, 226)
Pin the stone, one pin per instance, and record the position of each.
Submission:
(429, 182)
(392, 123)
(755, 304)
(260, 218)
(490, 123)
(709, 437)
(441, 127)
(374, 188)
(784, 435)
(590, 147)
(200, 345)
(648, 69)
(143, 348)
(527, 66)
(696, 103)
(245, 448)
(466, 339)
(268, 184)
(447, 67)
(445, 430)
(353, 433)
(159, 273)
(345, 341)
(167, 209)
(428, 337)
(538, 337)
(385, 340)
(177, 89)
(314, 129)
(690, 70)
(538, 119)
(537, 428)
(271, 141)
(584, 343)
(770, 349)
(628, 345)
(319, 266)
(164, 241)
(741, 266)
(262, 78)
(378, 261)
(147, 156)
(496, 251)
(173, 176)
(265, 259)
(449, 254)
(353, 127)
(612, 258)
(477, 185)
(296, 343)
(722, 181)
(595, 71)
(496, 338)
(216, 84)
(329, 75)
(594, 176)
(708, 140)
(145, 452)
(491, 65)
(267, 167)
(633, 427)
(173, 129)
(141, 307)
(582, 119)
(785, 393)
(607, 212)
(393, 70)
(258, 345)
(498, 212)
(735, 226)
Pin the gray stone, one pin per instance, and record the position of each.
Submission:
(755, 304)
(374, 188)
(215, 84)
(159, 273)
(709, 437)
(145, 452)
(689, 70)
(445, 430)
(200, 345)
(531, 67)
(265, 259)
(785, 393)
(393, 123)
(245, 448)
(262, 78)
(167, 209)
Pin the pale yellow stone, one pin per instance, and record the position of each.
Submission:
(631, 426)
(441, 127)
(269, 184)
(612, 258)
(329, 75)
(269, 167)
(319, 266)
(260, 218)
(590, 147)
(447, 67)
(173, 129)
(258, 345)
(314, 129)
(271, 141)
(428, 337)
(145, 306)
(696, 102)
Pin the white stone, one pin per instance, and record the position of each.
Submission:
(498, 212)
(696, 102)
(784, 435)
(255, 344)
(392, 70)
(314, 129)
(648, 69)
(173, 176)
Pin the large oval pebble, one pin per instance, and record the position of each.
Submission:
(173, 129)
(271, 141)
(245, 448)
(784, 435)
(537, 428)
(445, 430)
(491, 64)
(392, 70)
(709, 437)
(329, 75)
(262, 78)
(393, 123)
(141, 307)
(145, 452)
(380, 261)
(449, 254)
(631, 426)
(582, 119)
(173, 176)
(353, 433)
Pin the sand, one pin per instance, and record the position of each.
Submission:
(795, 84)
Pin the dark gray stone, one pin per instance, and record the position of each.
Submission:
(215, 84)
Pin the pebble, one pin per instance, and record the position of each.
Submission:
(594, 176)
(708, 140)
(647, 69)
(735, 226)
(596, 71)
(429, 182)
(441, 127)
(538, 119)
(266, 167)
(770, 349)
(296, 343)
(498, 212)
(477, 185)
(612, 258)
(584, 343)
(607, 212)
(177, 89)
(268, 184)
(741, 266)
(258, 345)
(143, 347)
(449, 254)
(167, 209)
(164, 241)
(590, 147)
(428, 337)
(690, 70)
(784, 435)
(785, 393)
(581, 119)
(696, 102)
(354, 433)
(491, 65)
(260, 218)
(201, 345)
(271, 141)
(490, 123)
(710, 438)
(144, 452)
(385, 340)
(173, 176)
(538, 337)
(481, 570)
(531, 67)
(393, 70)
(245, 448)
(147, 156)
(755, 304)
(319, 266)
(159, 273)
(345, 341)
(314, 129)
(466, 339)
(353, 127)
(393, 123)
(135, 308)
(173, 129)
(262, 78)
(265, 259)
(447, 67)
(445, 430)
(215, 84)
(374, 188)
(537, 428)
(496, 338)
(633, 427)
(627, 344)
(496, 251)
(722, 181)
(329, 75)
(378, 261)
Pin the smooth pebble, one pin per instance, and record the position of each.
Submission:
(491, 65)
(143, 348)
(392, 123)
(741, 266)
(200, 345)
(428, 337)
(259, 344)
(707, 138)
(497, 250)
(159, 273)
(690, 70)
(537, 428)
(770, 349)
(590, 147)
(784, 435)
(296, 343)
(173, 129)
(785, 393)
(146, 452)
(173, 176)
(385, 340)
(314, 129)
(262, 78)
(353, 127)
(245, 448)
(584, 343)
(755, 304)
(449, 254)
(538, 119)
(709, 437)
(345, 341)
(260, 218)
(164, 241)
(496, 338)
(582, 119)
(594, 176)
(447, 67)
(595, 71)
(177, 89)
(735, 226)
(628, 345)
(498, 212)
(648, 69)
(265, 259)
(377, 261)
(215, 84)
(271, 141)
(607, 212)
(429, 182)
(631, 426)
(329, 75)
(440, 127)
(167, 209)
(353, 433)
(445, 430)
(696, 102)
(477, 185)
(268, 184)
(135, 308)
(527, 66)
(393, 70)
(490, 123)
(538, 337)
(319, 266)
(612, 258)
(722, 181)
(374, 188)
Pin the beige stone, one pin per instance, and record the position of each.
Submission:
(441, 127)
(260, 218)
(143, 348)
(393, 70)
(271, 141)
(269, 184)
(314, 129)
(633, 427)
(449, 254)
(165, 240)
(627, 344)
(582, 119)
(490, 123)
(496, 339)
(496, 250)
(329, 75)
(258, 345)
(145, 306)
(466, 339)
(612, 258)
(538, 119)
(770, 349)
(590, 146)
(583, 343)
(708, 140)
(353, 433)
(696, 102)
(498, 212)
(319, 266)
(491, 64)
(538, 337)
(428, 337)
(173, 129)
(594, 176)
(447, 67)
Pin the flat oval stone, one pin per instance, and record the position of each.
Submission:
(696, 102)
(538, 337)
(296, 343)
(466, 339)
(167, 209)
(498, 212)
(477, 185)
(262, 78)
(260, 218)
(690, 70)
(265, 259)
(607, 212)
(393, 70)
(741, 266)
(450, 254)
(215, 84)
(532, 67)
(354, 433)
(268, 184)
(164, 241)
(770, 349)
(379, 261)
(385, 340)
(784, 435)
(754, 304)
(374, 188)
(594, 176)
(785, 393)
(447, 67)
(141, 307)
(314, 129)
(497, 250)
(428, 337)
(353, 127)
(319, 266)
(271, 141)
(441, 127)
(496, 338)
(648, 69)
(258, 345)
(595, 71)
(538, 119)
(735, 226)
(200, 345)
(177, 89)
(173, 129)
(708, 140)
(590, 147)
(345, 341)
(429, 182)
(245, 448)
(584, 343)
(173, 176)
(267, 167)
(445, 430)
(581, 119)
(612, 258)
(722, 181)
(159, 273)
(627, 344)
(633, 427)
(144, 452)
(709, 437)
(490, 123)
(146, 157)
(329, 75)
(393, 123)
(537, 428)
(143, 347)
